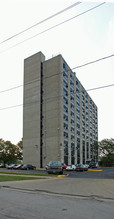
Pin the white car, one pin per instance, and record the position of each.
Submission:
(71, 167)
(86, 165)
(1, 165)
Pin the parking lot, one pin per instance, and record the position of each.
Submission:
(98, 173)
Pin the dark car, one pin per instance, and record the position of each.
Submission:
(93, 165)
(28, 167)
(55, 167)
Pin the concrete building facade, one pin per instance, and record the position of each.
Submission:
(60, 120)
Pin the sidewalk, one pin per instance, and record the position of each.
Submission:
(79, 187)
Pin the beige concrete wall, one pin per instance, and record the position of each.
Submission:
(52, 94)
(31, 109)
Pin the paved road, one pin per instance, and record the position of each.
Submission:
(100, 173)
(34, 205)
(76, 196)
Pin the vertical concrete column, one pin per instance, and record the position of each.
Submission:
(80, 94)
(69, 119)
(52, 103)
(32, 110)
(75, 104)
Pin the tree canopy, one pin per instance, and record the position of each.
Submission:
(106, 151)
(10, 153)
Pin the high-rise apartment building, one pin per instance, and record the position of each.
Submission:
(60, 120)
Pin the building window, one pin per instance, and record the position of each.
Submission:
(78, 125)
(78, 132)
(66, 160)
(65, 117)
(66, 151)
(72, 121)
(65, 109)
(65, 134)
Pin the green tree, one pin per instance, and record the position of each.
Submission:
(9, 153)
(20, 144)
(19, 150)
(106, 151)
(95, 151)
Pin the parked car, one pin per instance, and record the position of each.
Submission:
(80, 167)
(1, 165)
(18, 166)
(28, 167)
(11, 166)
(64, 166)
(93, 165)
(85, 167)
(71, 167)
(55, 167)
(46, 167)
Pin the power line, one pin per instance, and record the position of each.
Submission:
(12, 88)
(36, 102)
(40, 22)
(50, 28)
(96, 88)
(93, 61)
(10, 107)
(33, 81)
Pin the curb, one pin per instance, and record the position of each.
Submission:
(96, 170)
(62, 175)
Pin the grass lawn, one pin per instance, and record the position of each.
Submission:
(14, 176)
(27, 174)
(4, 178)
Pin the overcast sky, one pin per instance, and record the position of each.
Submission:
(81, 40)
